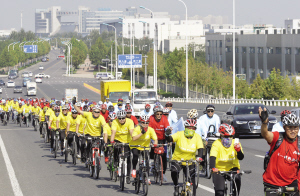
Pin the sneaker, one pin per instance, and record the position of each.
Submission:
(127, 179)
(61, 153)
(78, 156)
(176, 191)
(51, 150)
(41, 135)
(133, 173)
(165, 178)
(149, 181)
(106, 160)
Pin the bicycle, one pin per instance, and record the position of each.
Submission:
(110, 165)
(211, 137)
(169, 154)
(14, 116)
(19, 119)
(5, 121)
(44, 132)
(287, 191)
(187, 185)
(56, 145)
(27, 120)
(230, 176)
(158, 164)
(72, 150)
(142, 174)
(36, 122)
(94, 156)
(122, 165)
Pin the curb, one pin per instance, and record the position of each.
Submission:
(92, 88)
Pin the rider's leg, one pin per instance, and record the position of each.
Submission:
(219, 184)
(135, 158)
(62, 136)
(192, 172)
(52, 138)
(127, 153)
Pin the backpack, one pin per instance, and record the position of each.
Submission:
(278, 143)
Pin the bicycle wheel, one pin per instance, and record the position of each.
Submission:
(55, 146)
(145, 183)
(160, 175)
(74, 151)
(137, 183)
(197, 175)
(27, 122)
(20, 121)
(208, 173)
(66, 154)
(97, 166)
(111, 167)
(122, 177)
(188, 193)
(91, 168)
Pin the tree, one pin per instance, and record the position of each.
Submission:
(274, 85)
(257, 88)
(98, 52)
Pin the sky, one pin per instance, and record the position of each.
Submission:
(247, 12)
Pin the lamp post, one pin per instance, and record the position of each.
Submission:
(233, 52)
(15, 44)
(115, 48)
(186, 55)
(154, 52)
(9, 45)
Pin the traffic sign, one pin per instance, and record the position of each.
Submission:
(125, 61)
(30, 48)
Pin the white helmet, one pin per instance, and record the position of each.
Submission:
(121, 114)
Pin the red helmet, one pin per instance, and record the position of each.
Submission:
(103, 106)
(284, 113)
(86, 99)
(112, 116)
(147, 106)
(226, 130)
(190, 123)
(128, 109)
(169, 104)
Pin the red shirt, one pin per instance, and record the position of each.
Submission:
(134, 119)
(159, 126)
(105, 115)
(283, 165)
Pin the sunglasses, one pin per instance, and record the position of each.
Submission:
(193, 128)
(145, 122)
(128, 112)
(64, 109)
(121, 118)
(96, 112)
(210, 111)
(158, 114)
(74, 113)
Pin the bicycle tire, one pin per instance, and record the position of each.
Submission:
(111, 168)
(97, 166)
(66, 154)
(55, 146)
(188, 193)
(208, 172)
(20, 121)
(161, 171)
(74, 151)
(115, 175)
(91, 168)
(122, 177)
(145, 183)
(137, 183)
(197, 175)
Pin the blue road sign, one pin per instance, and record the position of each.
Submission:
(125, 61)
(30, 48)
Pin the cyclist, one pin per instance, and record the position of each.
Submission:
(225, 154)
(119, 106)
(14, 106)
(111, 109)
(121, 131)
(283, 165)
(5, 109)
(52, 125)
(48, 113)
(127, 104)
(278, 126)
(26, 109)
(129, 115)
(193, 113)
(73, 122)
(172, 115)
(35, 111)
(159, 123)
(42, 119)
(147, 111)
(188, 143)
(142, 136)
(19, 109)
(104, 112)
(210, 118)
(107, 102)
(107, 134)
(166, 112)
(61, 122)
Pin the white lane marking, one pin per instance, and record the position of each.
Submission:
(11, 173)
(260, 156)
(206, 188)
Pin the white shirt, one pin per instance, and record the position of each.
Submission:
(144, 112)
(108, 104)
(117, 108)
(172, 118)
(204, 122)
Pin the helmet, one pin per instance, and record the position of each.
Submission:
(128, 109)
(166, 110)
(121, 114)
(147, 106)
(20, 104)
(291, 120)
(193, 113)
(120, 100)
(127, 101)
(169, 104)
(3, 101)
(157, 102)
(96, 107)
(63, 98)
(74, 111)
(103, 106)
(284, 113)
(144, 118)
(58, 103)
(56, 108)
(226, 130)
(86, 100)
(112, 116)
(157, 109)
(210, 107)
(85, 108)
(45, 108)
(190, 122)
(64, 107)
(111, 108)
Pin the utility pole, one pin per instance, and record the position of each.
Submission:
(146, 78)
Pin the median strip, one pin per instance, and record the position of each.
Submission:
(92, 88)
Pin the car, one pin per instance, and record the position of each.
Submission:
(104, 76)
(30, 74)
(0, 90)
(38, 79)
(25, 80)
(44, 59)
(18, 89)
(41, 67)
(2, 83)
(12, 76)
(25, 74)
(42, 75)
(245, 120)
(10, 84)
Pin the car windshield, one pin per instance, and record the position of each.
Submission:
(10, 82)
(141, 96)
(114, 96)
(246, 109)
(31, 88)
(18, 87)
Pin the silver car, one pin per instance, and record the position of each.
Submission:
(18, 89)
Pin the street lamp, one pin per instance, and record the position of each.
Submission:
(122, 35)
(154, 52)
(186, 55)
(15, 44)
(233, 52)
(115, 48)
(9, 45)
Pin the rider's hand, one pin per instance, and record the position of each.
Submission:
(154, 145)
(199, 159)
(74, 100)
(168, 131)
(263, 114)
(49, 128)
(237, 147)
(215, 170)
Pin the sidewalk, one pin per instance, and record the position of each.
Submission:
(85, 70)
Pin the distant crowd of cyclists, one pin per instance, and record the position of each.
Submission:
(119, 135)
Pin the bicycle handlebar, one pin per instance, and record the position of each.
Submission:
(185, 161)
(239, 172)
(281, 190)
(159, 145)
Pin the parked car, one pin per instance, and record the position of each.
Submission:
(18, 89)
(42, 75)
(44, 59)
(10, 84)
(38, 79)
(2, 83)
(296, 111)
(25, 80)
(41, 67)
(25, 74)
(244, 118)
(30, 74)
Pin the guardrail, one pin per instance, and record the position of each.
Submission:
(286, 103)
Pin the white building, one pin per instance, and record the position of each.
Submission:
(6, 33)
(291, 24)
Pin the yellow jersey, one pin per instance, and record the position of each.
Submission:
(226, 158)
(145, 139)
(73, 122)
(108, 132)
(5, 107)
(53, 118)
(19, 110)
(81, 124)
(35, 110)
(93, 125)
(63, 120)
(186, 148)
(26, 108)
(42, 115)
(122, 131)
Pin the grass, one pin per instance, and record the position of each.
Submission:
(167, 94)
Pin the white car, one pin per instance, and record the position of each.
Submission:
(38, 80)
(0, 90)
(25, 74)
(10, 84)
(30, 74)
(41, 67)
(41, 75)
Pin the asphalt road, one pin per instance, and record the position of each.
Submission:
(28, 168)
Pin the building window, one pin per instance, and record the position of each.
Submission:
(252, 50)
(278, 50)
(244, 49)
(221, 43)
(297, 51)
(236, 49)
(270, 50)
(288, 51)
(208, 43)
(260, 50)
(228, 49)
